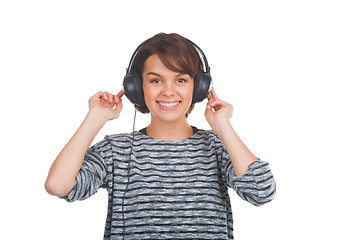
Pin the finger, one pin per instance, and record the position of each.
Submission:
(116, 98)
(109, 97)
(99, 94)
(103, 95)
(216, 102)
(214, 94)
(95, 96)
(211, 99)
(208, 109)
(120, 94)
(118, 107)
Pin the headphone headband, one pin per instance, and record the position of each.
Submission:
(134, 54)
(207, 67)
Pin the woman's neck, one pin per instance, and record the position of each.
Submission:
(169, 131)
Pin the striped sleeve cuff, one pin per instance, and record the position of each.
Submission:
(257, 186)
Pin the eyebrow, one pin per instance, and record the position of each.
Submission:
(158, 75)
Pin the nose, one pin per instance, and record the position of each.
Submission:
(168, 89)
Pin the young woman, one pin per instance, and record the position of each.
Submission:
(169, 180)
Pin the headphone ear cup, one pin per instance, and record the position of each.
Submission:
(133, 88)
(202, 84)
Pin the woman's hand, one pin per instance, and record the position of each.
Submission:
(106, 104)
(217, 111)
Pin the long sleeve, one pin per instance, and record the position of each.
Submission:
(92, 174)
(257, 186)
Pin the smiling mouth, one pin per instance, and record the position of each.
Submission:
(168, 104)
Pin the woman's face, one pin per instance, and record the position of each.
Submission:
(168, 94)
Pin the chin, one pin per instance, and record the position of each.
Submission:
(168, 115)
(168, 118)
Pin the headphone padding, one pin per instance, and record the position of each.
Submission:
(133, 88)
(202, 86)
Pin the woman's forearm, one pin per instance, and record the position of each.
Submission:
(62, 174)
(240, 155)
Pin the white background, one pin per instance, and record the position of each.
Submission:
(289, 68)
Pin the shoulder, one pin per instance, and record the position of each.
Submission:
(212, 139)
(121, 136)
(208, 136)
(114, 139)
(207, 133)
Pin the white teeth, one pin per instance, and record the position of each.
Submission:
(169, 105)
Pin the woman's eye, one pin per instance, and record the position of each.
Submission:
(181, 80)
(155, 81)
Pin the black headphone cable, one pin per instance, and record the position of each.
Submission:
(128, 175)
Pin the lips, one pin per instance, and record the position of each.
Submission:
(169, 105)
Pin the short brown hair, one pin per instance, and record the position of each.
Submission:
(175, 52)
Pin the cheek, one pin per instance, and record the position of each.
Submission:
(188, 93)
(150, 95)
(147, 88)
(147, 93)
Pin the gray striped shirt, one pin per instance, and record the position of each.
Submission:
(169, 189)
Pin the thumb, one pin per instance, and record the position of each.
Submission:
(208, 110)
(118, 107)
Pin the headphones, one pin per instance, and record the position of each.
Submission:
(133, 83)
